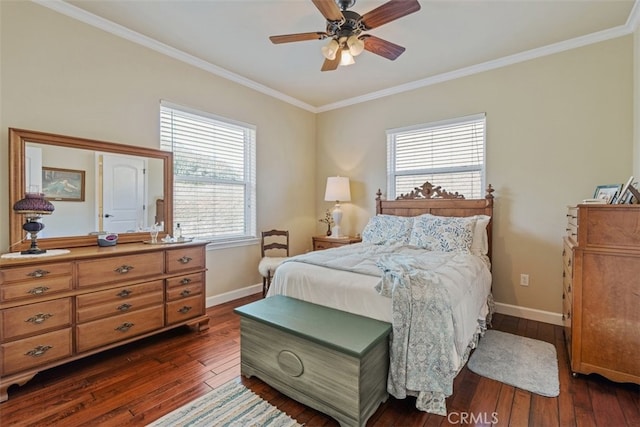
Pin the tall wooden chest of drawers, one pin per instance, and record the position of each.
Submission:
(55, 309)
(601, 295)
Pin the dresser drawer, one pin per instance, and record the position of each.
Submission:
(119, 300)
(183, 259)
(33, 288)
(113, 269)
(117, 328)
(567, 261)
(35, 318)
(184, 291)
(35, 351)
(118, 295)
(184, 309)
(572, 216)
(187, 279)
(34, 273)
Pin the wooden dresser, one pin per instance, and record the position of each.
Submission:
(601, 295)
(326, 242)
(55, 309)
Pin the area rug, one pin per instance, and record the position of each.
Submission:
(524, 363)
(231, 405)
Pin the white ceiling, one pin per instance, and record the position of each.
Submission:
(445, 39)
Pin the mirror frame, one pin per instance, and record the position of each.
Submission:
(18, 139)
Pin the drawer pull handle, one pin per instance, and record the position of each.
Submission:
(124, 327)
(39, 318)
(124, 293)
(38, 291)
(569, 262)
(184, 309)
(38, 273)
(124, 307)
(185, 259)
(124, 269)
(38, 351)
(185, 293)
(185, 281)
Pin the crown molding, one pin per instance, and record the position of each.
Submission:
(633, 22)
(487, 66)
(74, 12)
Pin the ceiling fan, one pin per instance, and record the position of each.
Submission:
(345, 28)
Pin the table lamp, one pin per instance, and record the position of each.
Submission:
(338, 190)
(33, 206)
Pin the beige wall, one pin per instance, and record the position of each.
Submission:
(556, 127)
(65, 77)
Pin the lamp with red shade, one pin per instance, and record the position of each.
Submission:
(33, 207)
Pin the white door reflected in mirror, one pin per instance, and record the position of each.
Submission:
(123, 193)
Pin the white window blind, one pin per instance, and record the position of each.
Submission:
(449, 153)
(214, 173)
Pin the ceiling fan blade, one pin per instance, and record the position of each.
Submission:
(388, 12)
(329, 9)
(382, 47)
(332, 64)
(288, 38)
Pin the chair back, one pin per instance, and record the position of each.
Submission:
(275, 240)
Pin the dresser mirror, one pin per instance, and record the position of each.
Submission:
(96, 187)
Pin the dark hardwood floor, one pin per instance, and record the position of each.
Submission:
(137, 383)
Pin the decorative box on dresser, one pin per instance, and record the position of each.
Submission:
(601, 290)
(55, 309)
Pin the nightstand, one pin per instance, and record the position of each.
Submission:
(326, 242)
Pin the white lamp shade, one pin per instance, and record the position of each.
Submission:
(330, 50)
(346, 58)
(356, 46)
(337, 189)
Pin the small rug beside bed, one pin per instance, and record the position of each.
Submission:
(524, 363)
(231, 405)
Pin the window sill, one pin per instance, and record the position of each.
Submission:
(232, 243)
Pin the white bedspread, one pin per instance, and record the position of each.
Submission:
(350, 285)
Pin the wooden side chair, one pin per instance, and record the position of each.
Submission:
(274, 242)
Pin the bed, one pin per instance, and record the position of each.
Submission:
(424, 266)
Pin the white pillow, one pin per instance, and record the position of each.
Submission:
(480, 245)
(387, 229)
(443, 233)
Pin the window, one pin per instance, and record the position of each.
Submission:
(214, 173)
(448, 153)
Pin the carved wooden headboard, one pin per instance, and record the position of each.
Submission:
(436, 201)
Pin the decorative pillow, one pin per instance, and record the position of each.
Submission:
(480, 245)
(387, 229)
(443, 233)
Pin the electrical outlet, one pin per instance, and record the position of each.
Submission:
(524, 280)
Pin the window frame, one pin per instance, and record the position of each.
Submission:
(249, 236)
(392, 173)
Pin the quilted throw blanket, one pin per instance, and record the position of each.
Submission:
(424, 288)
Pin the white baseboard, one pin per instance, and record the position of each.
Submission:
(235, 294)
(529, 313)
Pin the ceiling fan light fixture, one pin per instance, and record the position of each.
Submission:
(356, 45)
(346, 58)
(330, 50)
